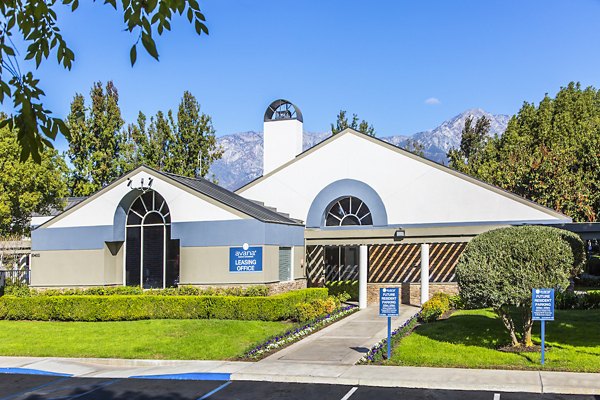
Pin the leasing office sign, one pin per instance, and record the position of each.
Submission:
(245, 259)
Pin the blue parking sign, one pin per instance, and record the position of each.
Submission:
(542, 304)
(388, 302)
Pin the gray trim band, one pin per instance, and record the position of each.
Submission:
(191, 234)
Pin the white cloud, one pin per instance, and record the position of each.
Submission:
(432, 101)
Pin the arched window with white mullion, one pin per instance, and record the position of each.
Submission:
(148, 239)
(348, 211)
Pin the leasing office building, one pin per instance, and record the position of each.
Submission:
(368, 210)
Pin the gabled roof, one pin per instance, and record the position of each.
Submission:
(231, 199)
(397, 149)
(70, 202)
(200, 186)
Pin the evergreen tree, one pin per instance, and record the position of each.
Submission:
(472, 143)
(415, 147)
(550, 153)
(96, 140)
(343, 123)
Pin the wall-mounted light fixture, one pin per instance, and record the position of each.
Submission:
(399, 235)
(140, 186)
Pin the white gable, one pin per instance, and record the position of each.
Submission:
(412, 190)
(183, 205)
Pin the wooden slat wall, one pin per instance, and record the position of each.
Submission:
(401, 262)
(315, 262)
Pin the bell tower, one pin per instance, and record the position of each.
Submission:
(282, 134)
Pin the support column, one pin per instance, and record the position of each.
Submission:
(424, 272)
(363, 261)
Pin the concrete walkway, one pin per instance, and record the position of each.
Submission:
(285, 371)
(344, 342)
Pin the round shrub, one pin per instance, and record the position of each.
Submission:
(435, 307)
(499, 268)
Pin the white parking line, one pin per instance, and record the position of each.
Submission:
(350, 393)
(496, 396)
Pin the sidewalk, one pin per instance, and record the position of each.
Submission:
(286, 371)
(344, 342)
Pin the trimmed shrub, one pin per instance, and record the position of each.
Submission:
(339, 287)
(577, 300)
(593, 266)
(433, 308)
(251, 291)
(129, 308)
(499, 268)
(308, 311)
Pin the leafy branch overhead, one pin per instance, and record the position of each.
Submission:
(35, 22)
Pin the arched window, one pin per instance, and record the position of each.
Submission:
(348, 211)
(151, 257)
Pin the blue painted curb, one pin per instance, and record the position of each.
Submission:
(193, 376)
(28, 371)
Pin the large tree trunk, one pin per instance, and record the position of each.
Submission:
(527, 325)
(509, 324)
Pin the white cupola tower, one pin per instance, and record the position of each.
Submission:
(282, 134)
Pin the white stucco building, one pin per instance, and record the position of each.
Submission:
(355, 208)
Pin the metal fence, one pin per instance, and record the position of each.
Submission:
(14, 277)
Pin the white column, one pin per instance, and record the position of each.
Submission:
(424, 272)
(363, 260)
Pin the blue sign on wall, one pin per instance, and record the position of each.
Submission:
(388, 302)
(248, 259)
(542, 304)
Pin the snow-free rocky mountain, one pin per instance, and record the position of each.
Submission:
(243, 151)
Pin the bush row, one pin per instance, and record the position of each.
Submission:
(135, 307)
(340, 287)
(578, 300)
(251, 291)
(308, 311)
(433, 308)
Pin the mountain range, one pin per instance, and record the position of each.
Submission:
(243, 152)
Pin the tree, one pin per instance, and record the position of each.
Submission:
(184, 144)
(342, 123)
(415, 147)
(550, 153)
(472, 143)
(96, 145)
(150, 143)
(36, 24)
(499, 268)
(27, 187)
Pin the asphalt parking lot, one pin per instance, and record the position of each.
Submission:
(39, 387)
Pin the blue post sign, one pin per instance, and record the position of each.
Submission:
(389, 306)
(245, 259)
(542, 309)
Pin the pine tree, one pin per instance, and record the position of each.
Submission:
(342, 123)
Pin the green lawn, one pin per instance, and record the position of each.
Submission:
(149, 339)
(468, 339)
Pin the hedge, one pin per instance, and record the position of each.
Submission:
(252, 291)
(132, 307)
(338, 287)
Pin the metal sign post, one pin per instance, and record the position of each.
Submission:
(542, 309)
(389, 306)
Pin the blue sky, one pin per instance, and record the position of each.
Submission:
(403, 66)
